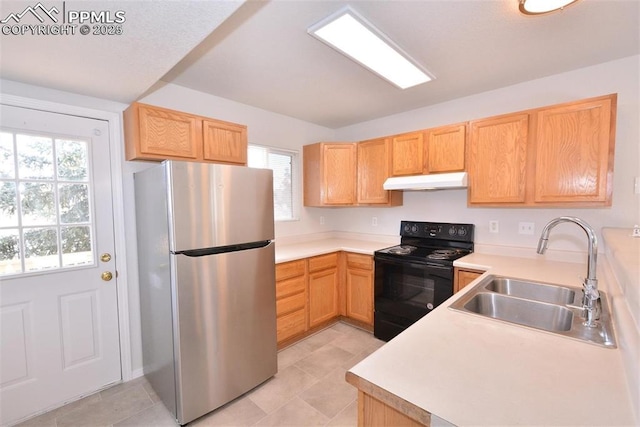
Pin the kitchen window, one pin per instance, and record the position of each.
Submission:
(284, 163)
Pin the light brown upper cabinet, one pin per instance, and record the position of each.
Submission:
(407, 154)
(444, 149)
(329, 174)
(155, 133)
(224, 142)
(574, 152)
(497, 159)
(553, 156)
(374, 167)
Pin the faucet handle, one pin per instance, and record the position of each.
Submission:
(591, 293)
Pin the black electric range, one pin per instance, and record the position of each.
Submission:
(414, 277)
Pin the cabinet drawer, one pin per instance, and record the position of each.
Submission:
(291, 324)
(291, 303)
(290, 286)
(323, 261)
(359, 261)
(289, 269)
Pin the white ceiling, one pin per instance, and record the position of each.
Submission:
(262, 55)
(156, 35)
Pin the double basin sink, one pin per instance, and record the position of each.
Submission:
(542, 306)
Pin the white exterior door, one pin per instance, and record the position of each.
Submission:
(58, 306)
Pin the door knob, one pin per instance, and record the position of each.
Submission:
(106, 276)
(105, 257)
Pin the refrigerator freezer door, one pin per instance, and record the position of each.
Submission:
(226, 315)
(218, 205)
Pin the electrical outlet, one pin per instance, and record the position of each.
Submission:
(321, 220)
(526, 228)
(493, 227)
(374, 221)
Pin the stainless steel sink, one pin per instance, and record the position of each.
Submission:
(542, 306)
(532, 290)
(549, 317)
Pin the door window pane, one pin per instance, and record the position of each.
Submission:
(8, 204)
(76, 246)
(46, 220)
(74, 203)
(38, 203)
(10, 251)
(41, 248)
(7, 160)
(35, 157)
(71, 158)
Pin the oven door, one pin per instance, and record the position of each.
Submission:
(406, 291)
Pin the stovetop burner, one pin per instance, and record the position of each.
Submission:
(402, 250)
(444, 254)
(434, 243)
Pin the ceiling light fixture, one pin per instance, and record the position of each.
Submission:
(353, 36)
(538, 7)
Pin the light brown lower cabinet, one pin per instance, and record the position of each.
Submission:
(323, 289)
(291, 299)
(374, 413)
(359, 288)
(313, 292)
(463, 276)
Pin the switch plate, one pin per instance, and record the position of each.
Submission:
(636, 185)
(374, 221)
(493, 227)
(526, 228)
(321, 220)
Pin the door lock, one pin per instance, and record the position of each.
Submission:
(106, 276)
(105, 257)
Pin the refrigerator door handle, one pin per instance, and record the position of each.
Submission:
(223, 249)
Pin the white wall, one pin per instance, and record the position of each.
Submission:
(621, 76)
(263, 128)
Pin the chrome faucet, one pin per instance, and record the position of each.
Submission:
(591, 296)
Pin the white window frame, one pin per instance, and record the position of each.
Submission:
(296, 193)
(58, 225)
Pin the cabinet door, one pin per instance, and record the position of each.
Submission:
(323, 296)
(225, 142)
(444, 149)
(463, 277)
(574, 152)
(374, 159)
(498, 159)
(360, 295)
(165, 134)
(407, 154)
(290, 325)
(339, 174)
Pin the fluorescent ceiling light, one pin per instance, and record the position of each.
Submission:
(353, 36)
(537, 7)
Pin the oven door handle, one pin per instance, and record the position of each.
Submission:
(422, 266)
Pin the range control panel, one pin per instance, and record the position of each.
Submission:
(437, 230)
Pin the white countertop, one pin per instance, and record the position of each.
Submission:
(471, 370)
(295, 251)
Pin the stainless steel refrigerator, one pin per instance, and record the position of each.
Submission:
(207, 282)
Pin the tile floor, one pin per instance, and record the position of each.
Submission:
(308, 390)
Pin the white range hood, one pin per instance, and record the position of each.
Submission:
(438, 181)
